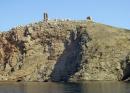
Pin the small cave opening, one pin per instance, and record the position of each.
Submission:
(126, 68)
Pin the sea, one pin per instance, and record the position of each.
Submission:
(65, 87)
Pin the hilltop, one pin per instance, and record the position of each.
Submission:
(65, 50)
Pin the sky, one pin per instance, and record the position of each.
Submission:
(22, 12)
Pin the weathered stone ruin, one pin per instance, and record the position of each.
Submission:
(89, 18)
(45, 17)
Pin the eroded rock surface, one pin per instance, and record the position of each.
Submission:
(64, 50)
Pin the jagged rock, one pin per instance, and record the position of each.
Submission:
(63, 51)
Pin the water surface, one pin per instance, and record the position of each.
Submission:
(80, 87)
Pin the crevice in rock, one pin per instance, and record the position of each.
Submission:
(70, 60)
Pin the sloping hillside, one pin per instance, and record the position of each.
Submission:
(65, 50)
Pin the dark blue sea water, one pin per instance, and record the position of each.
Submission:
(79, 87)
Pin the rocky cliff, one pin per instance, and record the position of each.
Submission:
(65, 50)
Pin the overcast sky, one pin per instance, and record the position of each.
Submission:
(22, 12)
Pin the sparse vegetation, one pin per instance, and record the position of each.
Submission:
(64, 50)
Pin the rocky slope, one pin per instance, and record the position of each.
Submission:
(65, 50)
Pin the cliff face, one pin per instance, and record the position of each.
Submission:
(65, 50)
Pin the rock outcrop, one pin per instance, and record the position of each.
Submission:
(63, 51)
